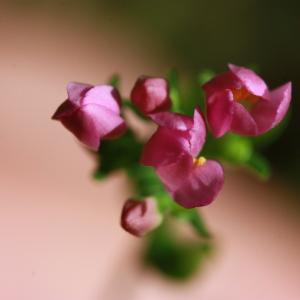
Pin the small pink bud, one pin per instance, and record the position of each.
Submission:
(140, 217)
(151, 95)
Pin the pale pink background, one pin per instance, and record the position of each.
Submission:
(60, 237)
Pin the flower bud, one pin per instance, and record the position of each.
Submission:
(140, 217)
(151, 95)
(91, 113)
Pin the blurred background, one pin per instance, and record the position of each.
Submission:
(60, 237)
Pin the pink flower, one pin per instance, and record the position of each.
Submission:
(151, 95)
(140, 217)
(91, 113)
(240, 101)
(173, 151)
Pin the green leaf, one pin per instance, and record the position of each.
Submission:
(121, 153)
(146, 181)
(205, 76)
(198, 224)
(172, 77)
(260, 165)
(175, 257)
(193, 217)
(115, 81)
(231, 148)
(236, 149)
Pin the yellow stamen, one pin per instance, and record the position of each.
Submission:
(243, 96)
(200, 161)
(240, 94)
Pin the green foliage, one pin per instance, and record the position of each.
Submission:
(115, 81)
(185, 99)
(204, 76)
(260, 165)
(193, 217)
(175, 257)
(146, 181)
(238, 151)
(196, 220)
(121, 153)
(235, 149)
(173, 81)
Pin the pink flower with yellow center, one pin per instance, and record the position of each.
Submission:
(173, 151)
(240, 101)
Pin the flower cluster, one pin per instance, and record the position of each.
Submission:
(237, 101)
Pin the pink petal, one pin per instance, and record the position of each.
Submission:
(65, 109)
(252, 82)
(172, 120)
(140, 217)
(222, 82)
(91, 123)
(104, 95)
(194, 127)
(197, 133)
(77, 90)
(164, 147)
(172, 175)
(242, 121)
(151, 95)
(269, 112)
(119, 130)
(201, 187)
(220, 109)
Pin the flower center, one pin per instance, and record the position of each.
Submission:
(244, 97)
(200, 161)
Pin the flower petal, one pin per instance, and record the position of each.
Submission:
(197, 133)
(140, 217)
(91, 123)
(242, 121)
(201, 186)
(194, 128)
(172, 120)
(77, 90)
(172, 175)
(151, 95)
(222, 82)
(220, 109)
(269, 112)
(252, 82)
(164, 147)
(104, 95)
(65, 109)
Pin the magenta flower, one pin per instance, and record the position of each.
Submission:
(240, 101)
(91, 113)
(140, 217)
(173, 151)
(151, 95)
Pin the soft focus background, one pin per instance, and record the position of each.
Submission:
(60, 237)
